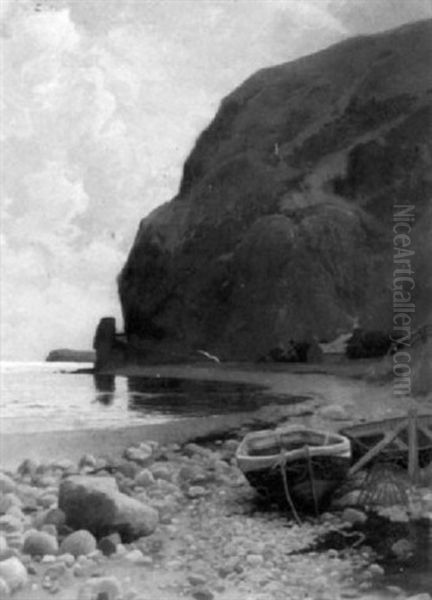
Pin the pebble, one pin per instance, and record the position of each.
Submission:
(55, 516)
(7, 484)
(196, 491)
(353, 516)
(8, 500)
(192, 449)
(39, 543)
(376, 569)
(144, 478)
(10, 524)
(403, 548)
(141, 455)
(48, 559)
(202, 594)
(4, 589)
(50, 529)
(103, 588)
(13, 572)
(196, 579)
(4, 548)
(79, 543)
(254, 560)
(15, 511)
(87, 460)
(67, 559)
(134, 556)
(47, 500)
(162, 471)
(28, 468)
(108, 544)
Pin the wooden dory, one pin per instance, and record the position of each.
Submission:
(295, 465)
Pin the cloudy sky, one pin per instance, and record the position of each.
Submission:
(102, 101)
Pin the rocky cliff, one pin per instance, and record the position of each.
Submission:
(282, 226)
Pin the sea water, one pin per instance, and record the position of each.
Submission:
(38, 396)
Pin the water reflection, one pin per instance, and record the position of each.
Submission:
(105, 388)
(183, 397)
(192, 397)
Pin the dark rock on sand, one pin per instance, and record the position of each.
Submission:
(68, 355)
(97, 505)
(281, 228)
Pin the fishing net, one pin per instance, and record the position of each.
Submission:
(386, 484)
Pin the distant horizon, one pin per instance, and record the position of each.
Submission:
(104, 103)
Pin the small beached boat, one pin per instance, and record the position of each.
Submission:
(295, 465)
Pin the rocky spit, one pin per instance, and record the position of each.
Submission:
(167, 522)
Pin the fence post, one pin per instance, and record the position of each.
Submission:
(413, 458)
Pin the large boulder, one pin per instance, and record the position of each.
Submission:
(96, 504)
(282, 226)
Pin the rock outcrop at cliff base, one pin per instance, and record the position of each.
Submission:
(282, 228)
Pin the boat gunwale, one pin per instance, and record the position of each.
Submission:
(341, 449)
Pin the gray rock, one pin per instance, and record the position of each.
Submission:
(144, 478)
(13, 572)
(79, 543)
(28, 468)
(192, 449)
(196, 491)
(4, 548)
(352, 515)
(334, 412)
(141, 454)
(4, 589)
(376, 569)
(101, 588)
(55, 516)
(7, 484)
(254, 560)
(202, 594)
(162, 471)
(108, 544)
(192, 474)
(39, 543)
(50, 529)
(8, 500)
(96, 504)
(422, 596)
(10, 524)
(197, 579)
(87, 461)
(403, 548)
(47, 500)
(134, 556)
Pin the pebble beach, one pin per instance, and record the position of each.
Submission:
(152, 519)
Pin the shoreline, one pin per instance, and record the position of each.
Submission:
(217, 542)
(364, 400)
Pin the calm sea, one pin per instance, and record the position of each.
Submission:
(38, 396)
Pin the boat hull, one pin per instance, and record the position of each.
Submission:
(309, 493)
